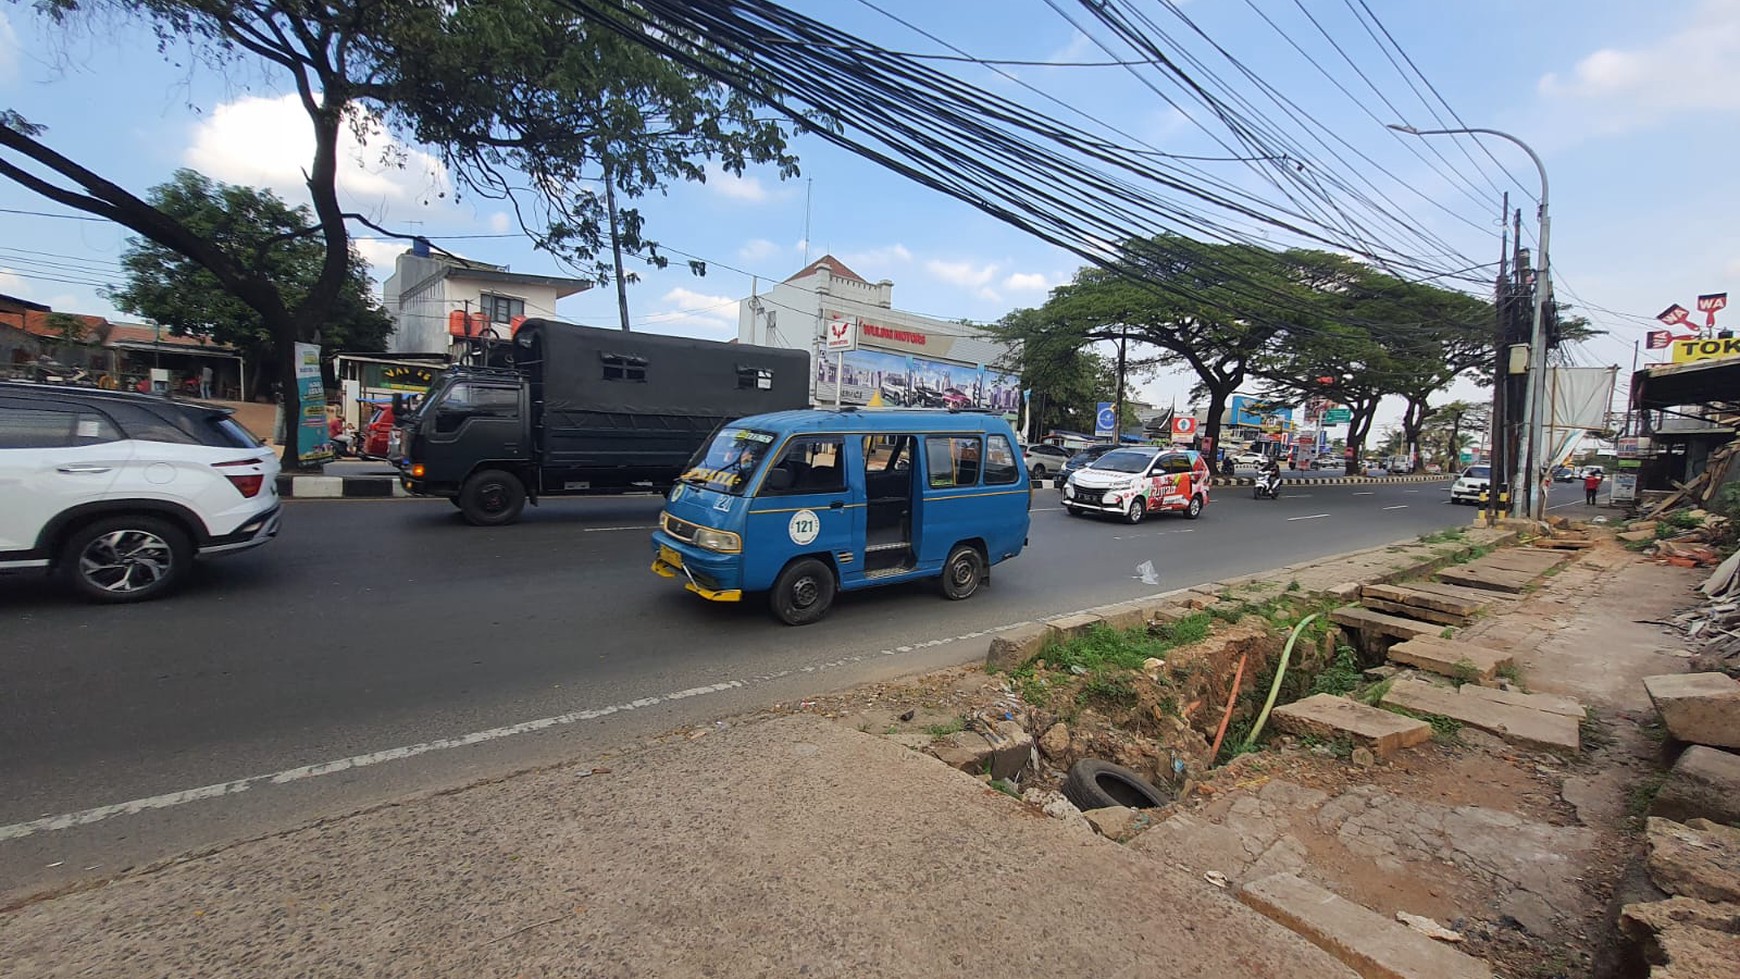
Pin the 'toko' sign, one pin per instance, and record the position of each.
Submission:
(1689, 351)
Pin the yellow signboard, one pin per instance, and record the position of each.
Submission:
(1688, 351)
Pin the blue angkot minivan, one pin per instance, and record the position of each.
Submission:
(802, 505)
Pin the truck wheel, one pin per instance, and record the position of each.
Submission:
(803, 593)
(963, 572)
(492, 498)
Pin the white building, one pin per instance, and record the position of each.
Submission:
(426, 289)
(903, 359)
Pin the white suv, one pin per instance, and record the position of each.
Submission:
(119, 492)
(1468, 486)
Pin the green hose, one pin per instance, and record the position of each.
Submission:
(1280, 674)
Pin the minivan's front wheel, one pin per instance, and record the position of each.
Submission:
(963, 572)
(1137, 510)
(803, 592)
(126, 559)
(492, 498)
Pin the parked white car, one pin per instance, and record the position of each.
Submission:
(1468, 486)
(1248, 458)
(118, 493)
(1045, 460)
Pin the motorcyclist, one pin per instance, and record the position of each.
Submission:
(1269, 472)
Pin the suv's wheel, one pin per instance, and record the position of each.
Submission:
(963, 572)
(803, 592)
(126, 559)
(492, 498)
(1138, 509)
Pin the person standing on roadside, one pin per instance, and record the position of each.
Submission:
(1591, 483)
(205, 383)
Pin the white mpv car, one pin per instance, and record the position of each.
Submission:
(118, 493)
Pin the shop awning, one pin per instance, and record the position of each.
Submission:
(1677, 385)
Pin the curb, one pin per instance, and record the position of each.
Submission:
(1327, 480)
(340, 487)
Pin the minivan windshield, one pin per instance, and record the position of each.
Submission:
(1478, 472)
(1124, 461)
(727, 463)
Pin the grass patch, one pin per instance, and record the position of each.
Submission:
(1464, 671)
(1374, 694)
(1342, 676)
(1595, 732)
(1107, 689)
(1642, 795)
(1293, 585)
(1448, 632)
(1512, 672)
(1192, 628)
(1006, 787)
(946, 728)
(1444, 536)
(1034, 689)
(1445, 730)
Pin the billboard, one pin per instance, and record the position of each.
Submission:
(1248, 412)
(905, 381)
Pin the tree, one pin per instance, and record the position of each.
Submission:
(522, 101)
(1452, 426)
(1067, 381)
(68, 330)
(259, 231)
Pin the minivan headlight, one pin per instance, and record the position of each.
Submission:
(718, 540)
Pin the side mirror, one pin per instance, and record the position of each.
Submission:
(779, 479)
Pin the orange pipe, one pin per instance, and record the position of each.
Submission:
(1232, 700)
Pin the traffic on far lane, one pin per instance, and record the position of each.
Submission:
(1134, 482)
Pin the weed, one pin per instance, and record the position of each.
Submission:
(1654, 730)
(1550, 572)
(1448, 632)
(1341, 676)
(1445, 730)
(1642, 795)
(1512, 672)
(891, 729)
(1108, 690)
(1595, 732)
(1229, 611)
(1374, 694)
(1035, 690)
(1444, 536)
(1191, 628)
(1006, 787)
(1677, 521)
(1464, 671)
(1293, 585)
(946, 728)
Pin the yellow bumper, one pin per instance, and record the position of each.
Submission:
(669, 564)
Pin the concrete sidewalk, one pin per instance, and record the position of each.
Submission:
(780, 847)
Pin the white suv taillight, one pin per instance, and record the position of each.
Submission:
(248, 484)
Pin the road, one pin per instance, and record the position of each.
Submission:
(342, 660)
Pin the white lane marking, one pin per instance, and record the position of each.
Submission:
(1158, 533)
(1410, 491)
(606, 530)
(1365, 493)
(1313, 516)
(1399, 506)
(1041, 509)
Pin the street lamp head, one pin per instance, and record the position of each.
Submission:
(1404, 128)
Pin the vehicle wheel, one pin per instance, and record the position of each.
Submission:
(803, 593)
(126, 559)
(1195, 509)
(1074, 512)
(1256, 492)
(1138, 509)
(963, 572)
(1037, 472)
(492, 498)
(1095, 784)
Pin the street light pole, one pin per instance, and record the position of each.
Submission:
(1531, 502)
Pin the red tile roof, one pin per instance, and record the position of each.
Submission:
(100, 330)
(833, 265)
(140, 333)
(36, 323)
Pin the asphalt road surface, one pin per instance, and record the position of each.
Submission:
(383, 647)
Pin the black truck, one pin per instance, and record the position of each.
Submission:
(562, 409)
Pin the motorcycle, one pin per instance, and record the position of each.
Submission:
(1268, 486)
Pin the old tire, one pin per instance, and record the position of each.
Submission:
(1137, 510)
(1195, 508)
(492, 498)
(126, 559)
(803, 593)
(963, 572)
(1096, 784)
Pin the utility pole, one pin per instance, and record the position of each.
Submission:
(616, 246)
(1118, 418)
(1496, 457)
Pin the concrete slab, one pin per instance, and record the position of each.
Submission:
(1122, 616)
(1372, 945)
(1490, 579)
(1410, 595)
(1414, 611)
(1704, 784)
(1546, 702)
(1522, 559)
(1450, 657)
(1519, 725)
(1012, 648)
(1328, 716)
(1382, 623)
(1700, 708)
(1481, 596)
(747, 873)
(1067, 627)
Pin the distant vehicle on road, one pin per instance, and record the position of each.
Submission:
(1564, 474)
(1248, 458)
(1083, 458)
(1328, 462)
(118, 493)
(1043, 459)
(377, 435)
(1469, 486)
(1134, 482)
(804, 504)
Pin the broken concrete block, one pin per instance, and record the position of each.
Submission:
(1067, 627)
(1698, 860)
(1685, 937)
(1347, 591)
(1369, 943)
(1161, 608)
(1449, 657)
(1456, 610)
(1013, 648)
(1490, 579)
(1702, 708)
(1380, 623)
(1328, 716)
(1704, 783)
(1413, 611)
(1117, 822)
(963, 750)
(1011, 749)
(1549, 703)
(1122, 617)
(1519, 725)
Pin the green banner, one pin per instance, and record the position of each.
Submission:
(1338, 416)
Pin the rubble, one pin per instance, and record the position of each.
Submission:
(1698, 859)
(1700, 708)
(1705, 782)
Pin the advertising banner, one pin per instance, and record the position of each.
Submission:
(1249, 412)
(1691, 351)
(903, 381)
(313, 442)
(1105, 419)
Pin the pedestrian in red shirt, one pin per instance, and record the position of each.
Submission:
(1591, 483)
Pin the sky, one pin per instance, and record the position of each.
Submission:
(1631, 107)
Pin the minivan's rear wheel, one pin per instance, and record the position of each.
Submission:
(803, 592)
(126, 559)
(492, 498)
(963, 572)
(1138, 509)
(1195, 509)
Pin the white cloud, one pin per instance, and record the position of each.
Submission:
(757, 250)
(876, 260)
(382, 255)
(687, 308)
(965, 274)
(1027, 282)
(265, 142)
(10, 50)
(1694, 69)
(499, 222)
(736, 188)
